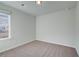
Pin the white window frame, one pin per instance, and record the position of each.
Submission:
(9, 29)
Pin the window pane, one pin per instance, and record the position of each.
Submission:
(4, 26)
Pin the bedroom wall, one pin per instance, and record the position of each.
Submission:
(77, 28)
(57, 27)
(22, 28)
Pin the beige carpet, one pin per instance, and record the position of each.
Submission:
(40, 49)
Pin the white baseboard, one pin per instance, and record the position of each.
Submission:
(16, 46)
(31, 41)
(57, 43)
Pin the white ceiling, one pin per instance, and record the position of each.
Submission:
(47, 6)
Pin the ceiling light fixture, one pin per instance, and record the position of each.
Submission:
(38, 2)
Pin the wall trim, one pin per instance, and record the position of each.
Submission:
(56, 43)
(20, 44)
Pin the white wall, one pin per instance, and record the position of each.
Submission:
(77, 28)
(22, 29)
(58, 27)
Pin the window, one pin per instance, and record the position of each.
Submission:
(4, 26)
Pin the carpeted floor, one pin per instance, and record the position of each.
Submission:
(40, 49)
